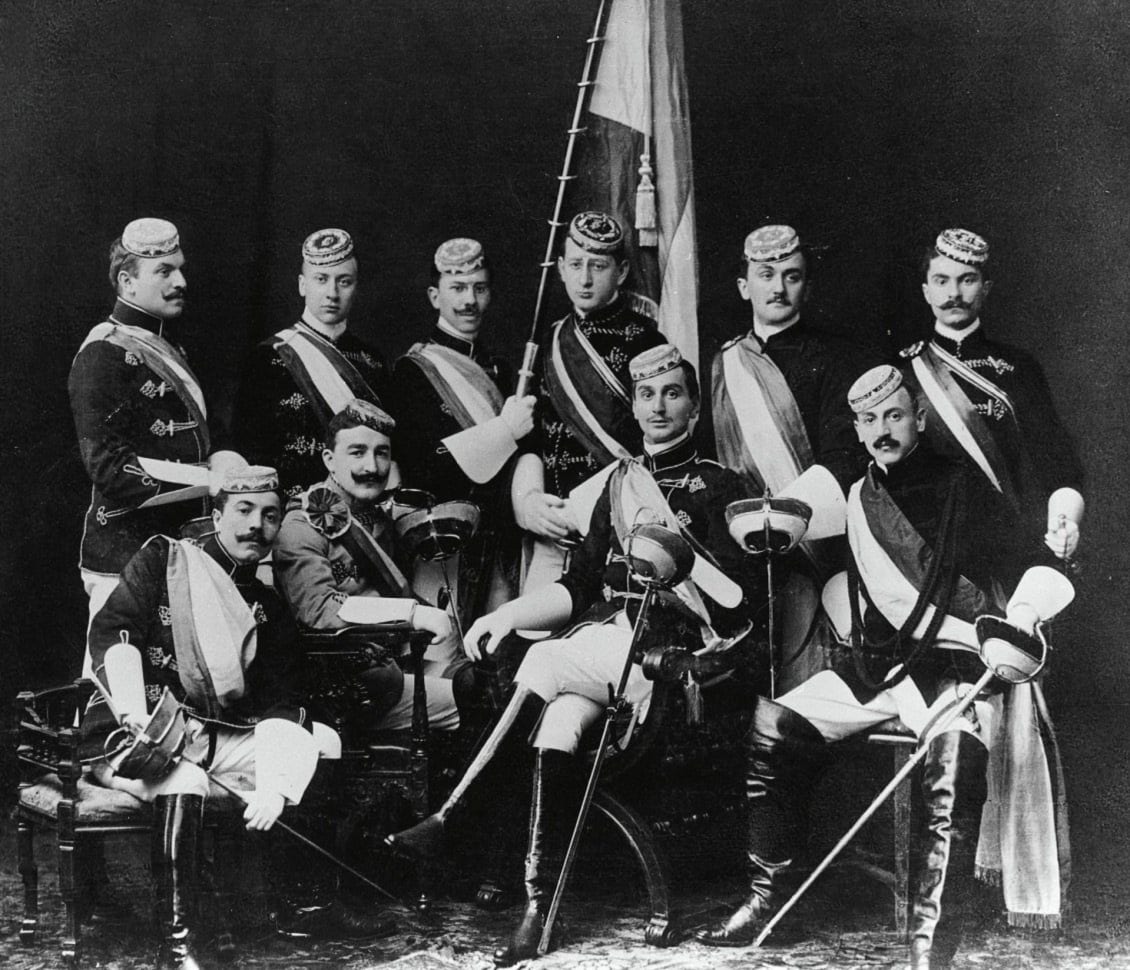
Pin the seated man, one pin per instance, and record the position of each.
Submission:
(195, 622)
(931, 549)
(565, 682)
(336, 543)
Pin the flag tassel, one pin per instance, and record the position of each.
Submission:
(645, 204)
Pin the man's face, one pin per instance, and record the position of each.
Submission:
(592, 280)
(329, 290)
(663, 406)
(247, 524)
(955, 291)
(889, 430)
(775, 290)
(159, 287)
(360, 461)
(462, 300)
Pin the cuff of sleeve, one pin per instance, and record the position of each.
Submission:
(285, 758)
(377, 609)
(481, 451)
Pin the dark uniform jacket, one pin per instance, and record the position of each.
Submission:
(123, 410)
(138, 609)
(698, 492)
(618, 333)
(277, 425)
(992, 551)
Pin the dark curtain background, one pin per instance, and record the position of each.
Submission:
(868, 124)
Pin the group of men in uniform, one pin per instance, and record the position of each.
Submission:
(942, 463)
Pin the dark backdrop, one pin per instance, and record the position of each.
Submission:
(869, 124)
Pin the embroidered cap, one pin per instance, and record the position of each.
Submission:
(150, 238)
(770, 244)
(250, 478)
(369, 415)
(327, 247)
(874, 386)
(596, 232)
(654, 361)
(964, 246)
(458, 256)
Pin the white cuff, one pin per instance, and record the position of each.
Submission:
(481, 451)
(377, 609)
(125, 681)
(286, 755)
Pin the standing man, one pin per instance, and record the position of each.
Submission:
(459, 428)
(931, 547)
(134, 398)
(586, 420)
(562, 685)
(303, 375)
(194, 622)
(989, 402)
(778, 395)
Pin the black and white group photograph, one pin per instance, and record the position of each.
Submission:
(593, 485)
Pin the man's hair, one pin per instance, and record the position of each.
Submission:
(221, 498)
(690, 378)
(343, 421)
(434, 275)
(932, 251)
(121, 260)
(810, 261)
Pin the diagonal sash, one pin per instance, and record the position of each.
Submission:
(958, 421)
(214, 633)
(163, 359)
(587, 395)
(462, 384)
(893, 560)
(320, 370)
(366, 551)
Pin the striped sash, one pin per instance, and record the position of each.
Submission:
(461, 384)
(320, 370)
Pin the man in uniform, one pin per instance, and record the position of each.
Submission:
(303, 375)
(458, 428)
(778, 395)
(134, 398)
(931, 546)
(336, 543)
(586, 419)
(562, 684)
(195, 622)
(988, 402)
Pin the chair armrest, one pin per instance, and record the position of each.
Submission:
(672, 663)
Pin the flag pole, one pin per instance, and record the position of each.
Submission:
(525, 373)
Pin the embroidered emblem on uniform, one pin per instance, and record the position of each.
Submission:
(163, 429)
(1000, 366)
(166, 615)
(683, 517)
(445, 409)
(991, 409)
(607, 591)
(301, 445)
(632, 330)
(101, 516)
(152, 693)
(617, 358)
(913, 350)
(258, 613)
(156, 655)
(342, 570)
(295, 402)
(132, 359)
(696, 484)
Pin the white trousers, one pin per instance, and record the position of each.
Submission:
(443, 715)
(574, 677)
(826, 701)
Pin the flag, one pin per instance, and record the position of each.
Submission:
(638, 118)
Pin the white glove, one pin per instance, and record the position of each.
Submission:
(545, 515)
(263, 809)
(1063, 539)
(494, 626)
(432, 619)
(518, 413)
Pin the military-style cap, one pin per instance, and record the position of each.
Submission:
(327, 247)
(250, 478)
(596, 232)
(874, 386)
(770, 244)
(458, 256)
(369, 415)
(150, 238)
(964, 246)
(654, 361)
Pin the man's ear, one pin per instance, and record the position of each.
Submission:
(217, 514)
(920, 419)
(858, 432)
(622, 274)
(985, 287)
(328, 459)
(743, 287)
(433, 296)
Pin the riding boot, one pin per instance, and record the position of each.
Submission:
(954, 787)
(176, 868)
(783, 757)
(554, 803)
(424, 840)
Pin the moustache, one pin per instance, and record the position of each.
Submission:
(884, 442)
(368, 479)
(955, 305)
(178, 294)
(255, 535)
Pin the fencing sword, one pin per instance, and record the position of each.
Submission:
(941, 725)
(526, 371)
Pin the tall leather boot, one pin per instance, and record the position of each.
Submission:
(554, 803)
(783, 757)
(176, 868)
(424, 840)
(954, 788)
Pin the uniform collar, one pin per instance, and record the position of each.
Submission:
(445, 336)
(241, 573)
(777, 333)
(367, 513)
(900, 471)
(794, 332)
(952, 340)
(129, 315)
(671, 455)
(329, 333)
(603, 314)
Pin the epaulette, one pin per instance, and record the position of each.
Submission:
(643, 305)
(733, 340)
(913, 350)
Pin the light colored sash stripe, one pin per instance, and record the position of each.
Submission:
(611, 445)
(467, 381)
(324, 375)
